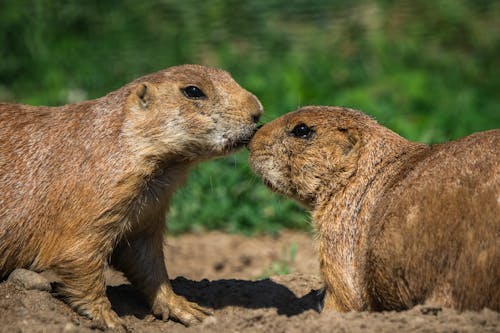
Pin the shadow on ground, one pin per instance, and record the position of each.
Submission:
(218, 294)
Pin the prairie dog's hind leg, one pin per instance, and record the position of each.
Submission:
(84, 288)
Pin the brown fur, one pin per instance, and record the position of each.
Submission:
(84, 183)
(398, 223)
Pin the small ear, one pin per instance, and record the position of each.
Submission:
(353, 137)
(145, 93)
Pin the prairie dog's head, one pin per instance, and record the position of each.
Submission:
(308, 153)
(191, 112)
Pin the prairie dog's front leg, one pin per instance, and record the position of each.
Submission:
(142, 260)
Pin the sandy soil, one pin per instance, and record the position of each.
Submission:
(224, 273)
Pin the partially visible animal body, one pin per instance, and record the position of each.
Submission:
(88, 183)
(398, 223)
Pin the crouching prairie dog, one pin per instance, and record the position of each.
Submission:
(90, 183)
(398, 223)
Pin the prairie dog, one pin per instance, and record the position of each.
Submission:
(89, 183)
(398, 223)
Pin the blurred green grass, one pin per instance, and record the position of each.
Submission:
(428, 70)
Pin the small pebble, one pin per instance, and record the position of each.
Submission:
(29, 280)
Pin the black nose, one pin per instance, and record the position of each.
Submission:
(255, 118)
(260, 126)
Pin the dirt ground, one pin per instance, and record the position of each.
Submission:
(226, 273)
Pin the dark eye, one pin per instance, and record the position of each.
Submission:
(193, 92)
(302, 131)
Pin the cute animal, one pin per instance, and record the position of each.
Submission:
(89, 183)
(398, 223)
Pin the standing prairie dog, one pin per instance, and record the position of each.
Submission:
(398, 223)
(91, 182)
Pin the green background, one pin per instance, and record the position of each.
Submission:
(429, 70)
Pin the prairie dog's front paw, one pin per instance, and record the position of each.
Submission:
(179, 309)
